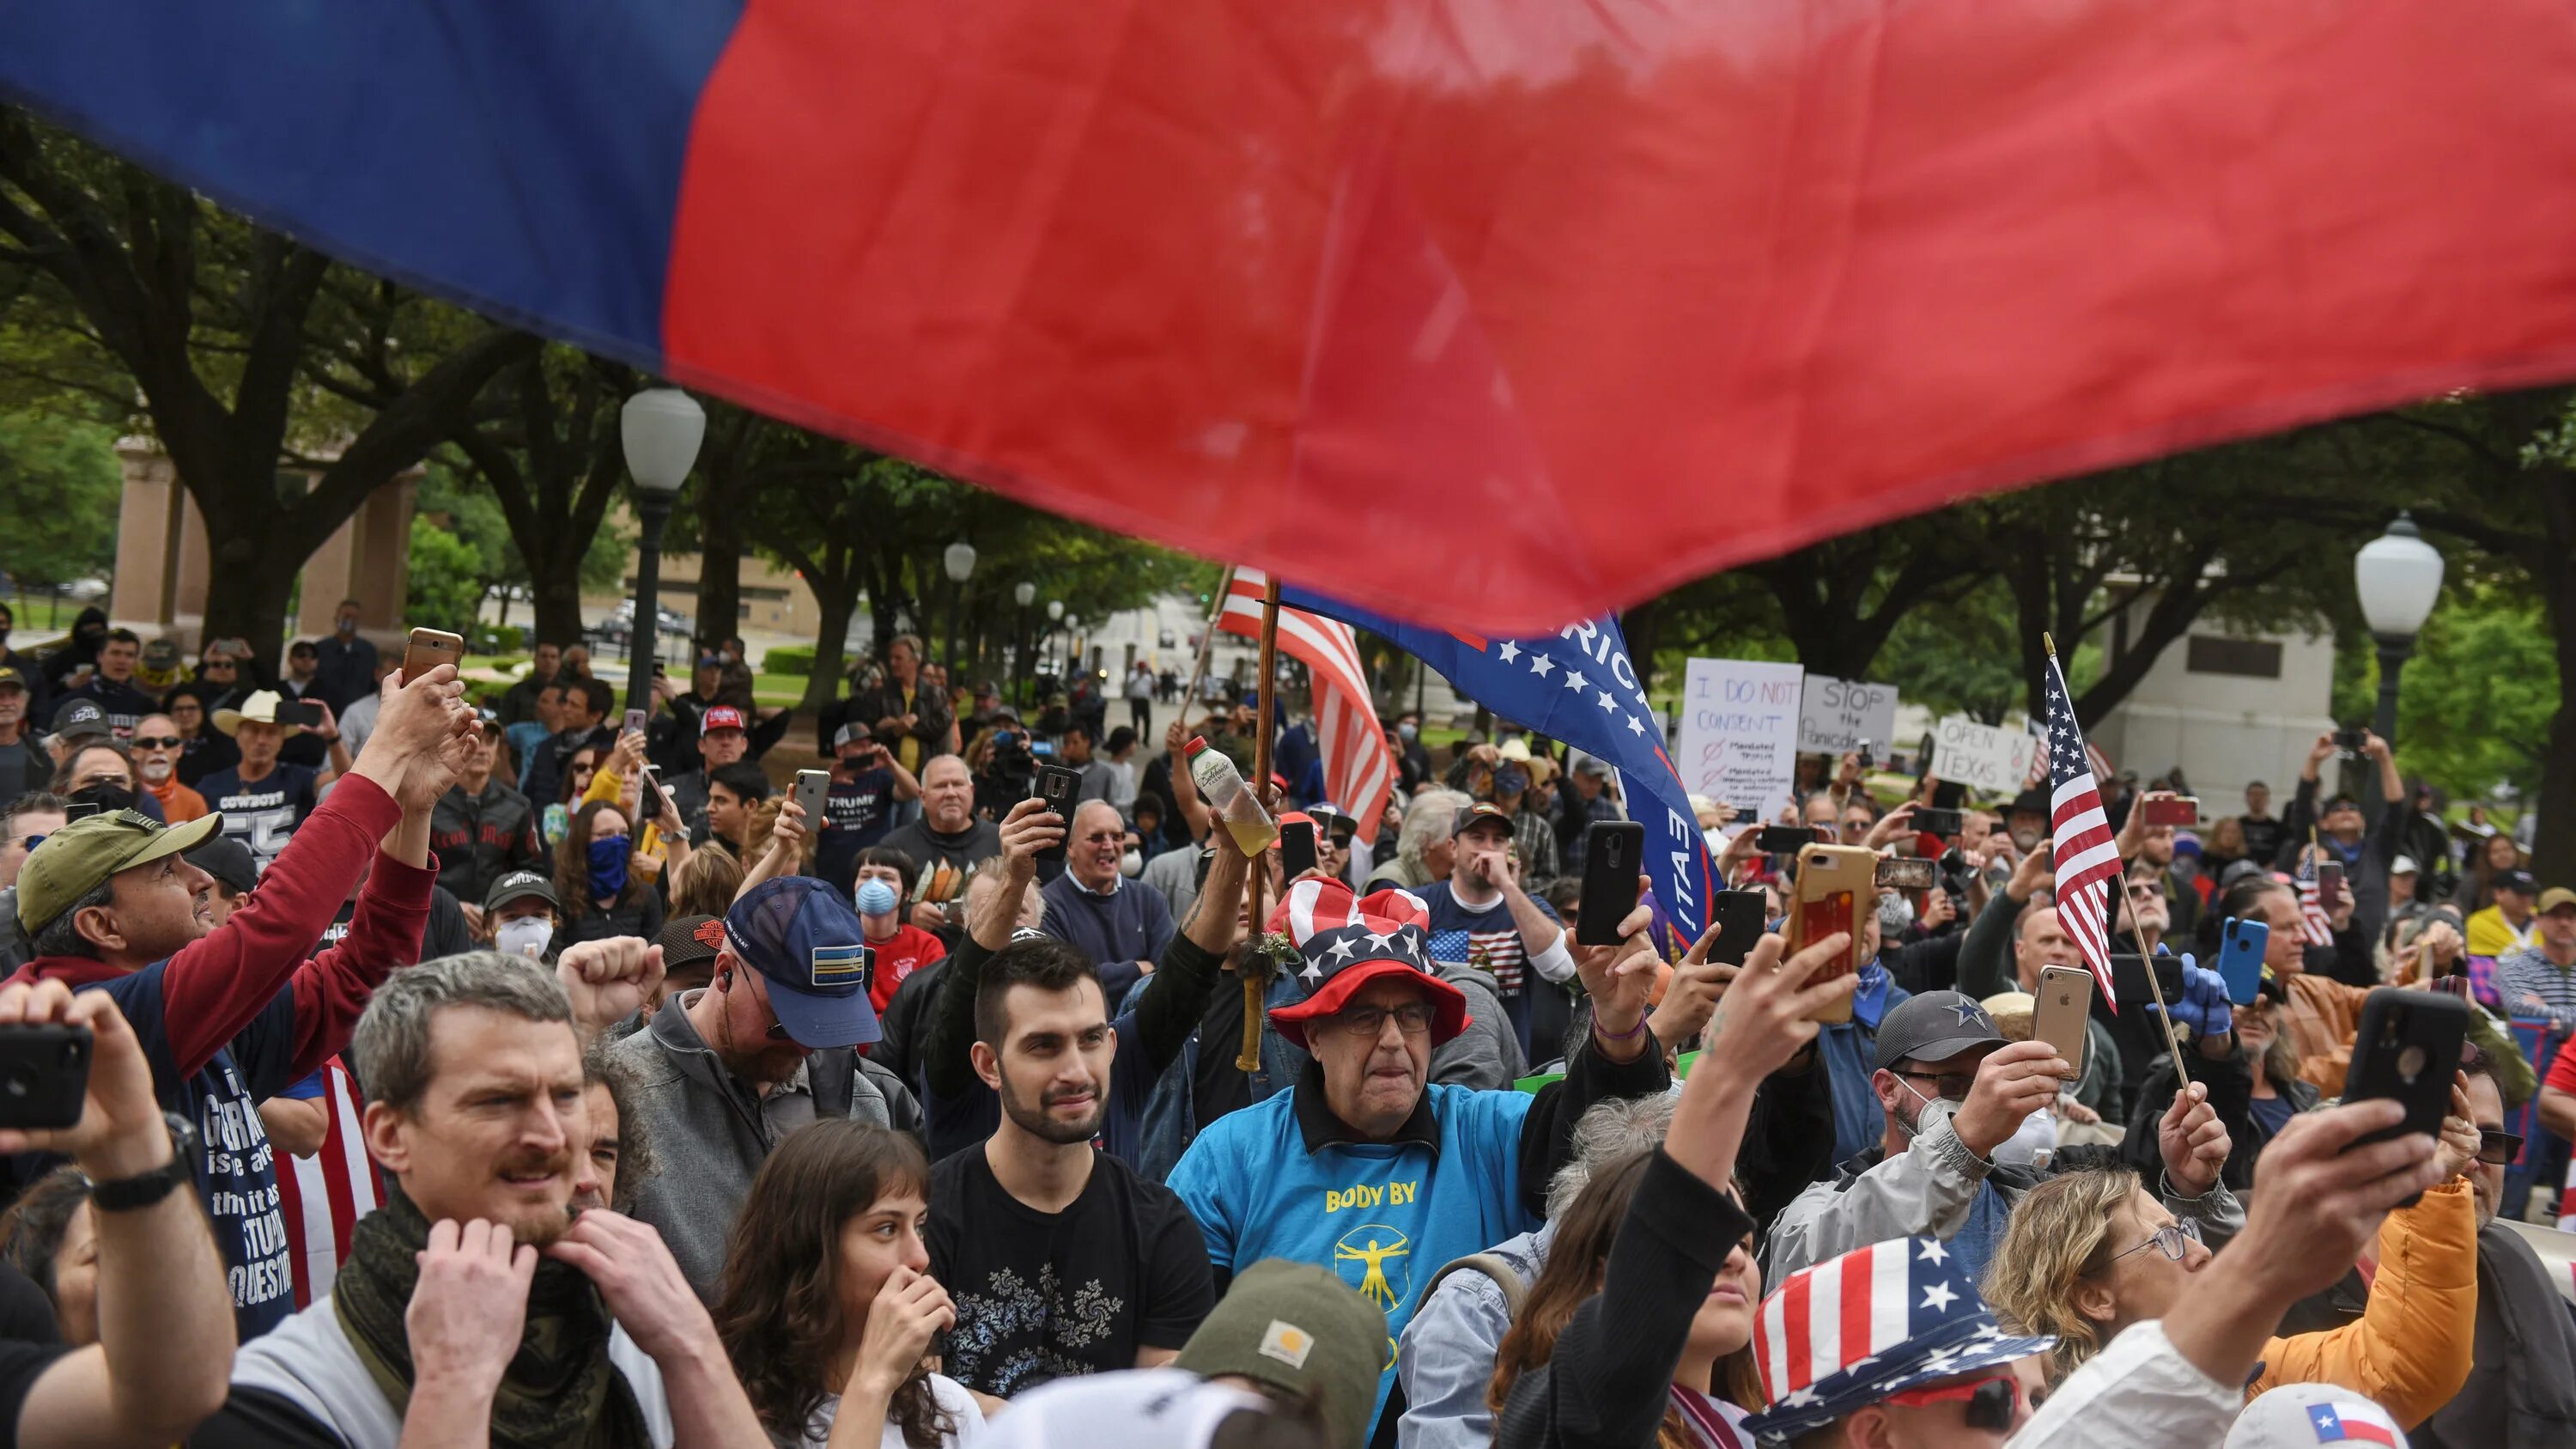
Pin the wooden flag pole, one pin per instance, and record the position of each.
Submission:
(1258, 872)
(2164, 1015)
(1207, 640)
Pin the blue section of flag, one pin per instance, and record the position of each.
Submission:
(1575, 685)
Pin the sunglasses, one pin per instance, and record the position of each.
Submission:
(1993, 1403)
(157, 742)
(2498, 1149)
(1413, 1019)
(1953, 1086)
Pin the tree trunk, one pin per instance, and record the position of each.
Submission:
(556, 583)
(1643, 627)
(836, 595)
(252, 606)
(719, 567)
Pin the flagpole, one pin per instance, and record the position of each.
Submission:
(1250, 1058)
(2164, 1017)
(1207, 638)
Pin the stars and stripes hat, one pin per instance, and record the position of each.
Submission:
(2308, 1415)
(1854, 1330)
(1347, 942)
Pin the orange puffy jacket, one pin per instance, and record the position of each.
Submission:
(2410, 1349)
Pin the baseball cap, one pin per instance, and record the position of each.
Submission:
(2555, 897)
(1298, 1329)
(1336, 821)
(2311, 1414)
(79, 719)
(1591, 765)
(1933, 1025)
(1164, 1408)
(11, 677)
(78, 858)
(1481, 810)
(2520, 882)
(720, 717)
(227, 860)
(805, 937)
(260, 708)
(2338, 801)
(853, 733)
(521, 885)
(688, 940)
(711, 660)
(1923, 1318)
(2403, 865)
(1348, 942)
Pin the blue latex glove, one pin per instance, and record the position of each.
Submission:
(2203, 1009)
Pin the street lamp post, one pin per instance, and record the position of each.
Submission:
(1024, 594)
(1055, 618)
(2398, 576)
(661, 429)
(960, 563)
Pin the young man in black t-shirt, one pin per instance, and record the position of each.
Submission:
(1061, 1259)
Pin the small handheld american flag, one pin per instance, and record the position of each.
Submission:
(2087, 858)
(2314, 928)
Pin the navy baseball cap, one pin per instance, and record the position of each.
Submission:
(804, 936)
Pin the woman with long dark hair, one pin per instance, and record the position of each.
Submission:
(828, 1308)
(603, 894)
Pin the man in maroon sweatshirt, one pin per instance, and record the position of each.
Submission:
(231, 1014)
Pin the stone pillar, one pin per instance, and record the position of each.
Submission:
(367, 559)
(147, 535)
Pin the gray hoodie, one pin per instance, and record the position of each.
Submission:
(709, 1135)
(1486, 1056)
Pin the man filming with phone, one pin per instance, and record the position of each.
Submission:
(858, 805)
(231, 1014)
(1483, 916)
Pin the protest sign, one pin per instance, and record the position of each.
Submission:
(1739, 737)
(1835, 715)
(1985, 759)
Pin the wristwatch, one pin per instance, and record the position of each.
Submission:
(142, 1190)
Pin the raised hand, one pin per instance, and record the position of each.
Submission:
(1691, 996)
(2192, 1141)
(909, 1310)
(1029, 828)
(1767, 1017)
(120, 1133)
(2015, 1080)
(469, 1306)
(1620, 979)
(2321, 1202)
(638, 1278)
(2459, 1137)
(608, 980)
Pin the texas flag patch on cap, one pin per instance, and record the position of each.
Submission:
(2351, 1424)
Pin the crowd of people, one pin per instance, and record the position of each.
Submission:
(509, 1070)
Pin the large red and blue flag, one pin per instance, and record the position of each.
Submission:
(1476, 312)
(1575, 685)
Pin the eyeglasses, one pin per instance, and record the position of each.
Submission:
(1413, 1019)
(1954, 1086)
(2498, 1149)
(158, 742)
(2171, 1240)
(1993, 1402)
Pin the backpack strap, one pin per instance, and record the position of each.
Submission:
(1492, 1265)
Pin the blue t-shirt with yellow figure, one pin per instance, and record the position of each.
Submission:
(1275, 1181)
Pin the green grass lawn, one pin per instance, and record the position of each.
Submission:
(781, 690)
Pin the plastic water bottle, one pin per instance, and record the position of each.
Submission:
(1222, 787)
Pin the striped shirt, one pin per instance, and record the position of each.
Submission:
(2529, 973)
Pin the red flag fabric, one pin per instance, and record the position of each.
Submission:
(1359, 769)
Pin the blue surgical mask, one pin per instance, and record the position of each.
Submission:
(876, 898)
(609, 857)
(1406, 732)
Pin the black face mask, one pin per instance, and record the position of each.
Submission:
(108, 798)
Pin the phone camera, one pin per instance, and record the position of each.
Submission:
(2410, 1063)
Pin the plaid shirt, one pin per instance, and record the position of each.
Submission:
(1535, 834)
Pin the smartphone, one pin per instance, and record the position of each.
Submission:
(430, 648)
(1613, 852)
(648, 801)
(1785, 839)
(44, 1075)
(812, 786)
(1932, 820)
(2406, 1049)
(1057, 785)
(1867, 760)
(1741, 917)
(2129, 979)
(1746, 816)
(2329, 885)
(292, 712)
(1297, 847)
(2241, 944)
(2183, 810)
(2349, 741)
(2065, 1004)
(1835, 884)
(634, 722)
(1904, 872)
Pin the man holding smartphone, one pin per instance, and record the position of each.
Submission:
(858, 805)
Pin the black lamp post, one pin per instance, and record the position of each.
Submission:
(661, 429)
(1024, 594)
(959, 562)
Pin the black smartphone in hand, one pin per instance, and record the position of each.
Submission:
(1297, 848)
(2407, 1049)
(44, 1075)
(1057, 785)
(1784, 839)
(1740, 917)
(1613, 852)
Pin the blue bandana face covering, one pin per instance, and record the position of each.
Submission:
(609, 856)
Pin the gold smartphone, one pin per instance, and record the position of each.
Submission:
(2058, 1017)
(430, 648)
(1835, 884)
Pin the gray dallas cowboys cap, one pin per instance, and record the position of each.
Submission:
(1933, 1026)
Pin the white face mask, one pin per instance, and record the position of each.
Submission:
(524, 936)
(1132, 863)
(2031, 1144)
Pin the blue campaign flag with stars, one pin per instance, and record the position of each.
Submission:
(1578, 686)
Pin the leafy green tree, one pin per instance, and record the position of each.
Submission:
(446, 576)
(2475, 705)
(59, 491)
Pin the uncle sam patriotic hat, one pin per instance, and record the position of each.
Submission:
(1856, 1330)
(1347, 942)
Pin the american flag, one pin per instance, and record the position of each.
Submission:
(1359, 770)
(2314, 928)
(2087, 859)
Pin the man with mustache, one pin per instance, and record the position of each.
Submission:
(474, 1300)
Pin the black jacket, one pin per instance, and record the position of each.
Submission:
(879, 708)
(480, 838)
